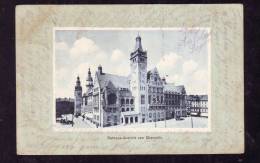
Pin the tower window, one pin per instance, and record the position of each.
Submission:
(142, 99)
(131, 101)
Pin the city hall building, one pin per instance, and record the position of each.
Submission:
(142, 96)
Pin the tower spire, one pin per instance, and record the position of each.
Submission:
(78, 86)
(138, 43)
(89, 80)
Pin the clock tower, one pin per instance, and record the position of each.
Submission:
(78, 98)
(138, 77)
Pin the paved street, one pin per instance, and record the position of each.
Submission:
(198, 122)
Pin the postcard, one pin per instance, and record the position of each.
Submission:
(138, 79)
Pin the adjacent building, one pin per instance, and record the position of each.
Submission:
(197, 105)
(64, 106)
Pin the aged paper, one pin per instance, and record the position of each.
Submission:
(46, 34)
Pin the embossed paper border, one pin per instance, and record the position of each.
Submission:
(34, 69)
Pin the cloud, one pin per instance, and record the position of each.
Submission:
(168, 62)
(189, 67)
(65, 91)
(82, 70)
(176, 78)
(122, 69)
(200, 75)
(84, 47)
(63, 86)
(190, 75)
(62, 46)
(117, 56)
(61, 74)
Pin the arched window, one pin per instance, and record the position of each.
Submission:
(150, 115)
(111, 98)
(123, 109)
(122, 101)
(131, 101)
(127, 101)
(131, 119)
(127, 109)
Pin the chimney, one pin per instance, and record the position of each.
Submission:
(164, 80)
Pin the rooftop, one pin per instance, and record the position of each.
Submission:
(172, 88)
(118, 81)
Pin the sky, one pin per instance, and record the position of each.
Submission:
(180, 55)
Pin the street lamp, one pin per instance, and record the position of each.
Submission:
(191, 121)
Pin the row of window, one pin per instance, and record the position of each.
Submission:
(199, 110)
(198, 104)
(111, 110)
(172, 96)
(127, 109)
(155, 90)
(156, 107)
(96, 117)
(158, 99)
(127, 101)
(140, 59)
(142, 88)
(113, 117)
(172, 102)
(129, 120)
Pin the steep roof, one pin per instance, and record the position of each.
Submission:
(197, 97)
(172, 88)
(203, 97)
(118, 81)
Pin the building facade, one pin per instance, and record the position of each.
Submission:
(156, 104)
(142, 96)
(197, 105)
(175, 100)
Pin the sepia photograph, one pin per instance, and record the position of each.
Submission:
(132, 77)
